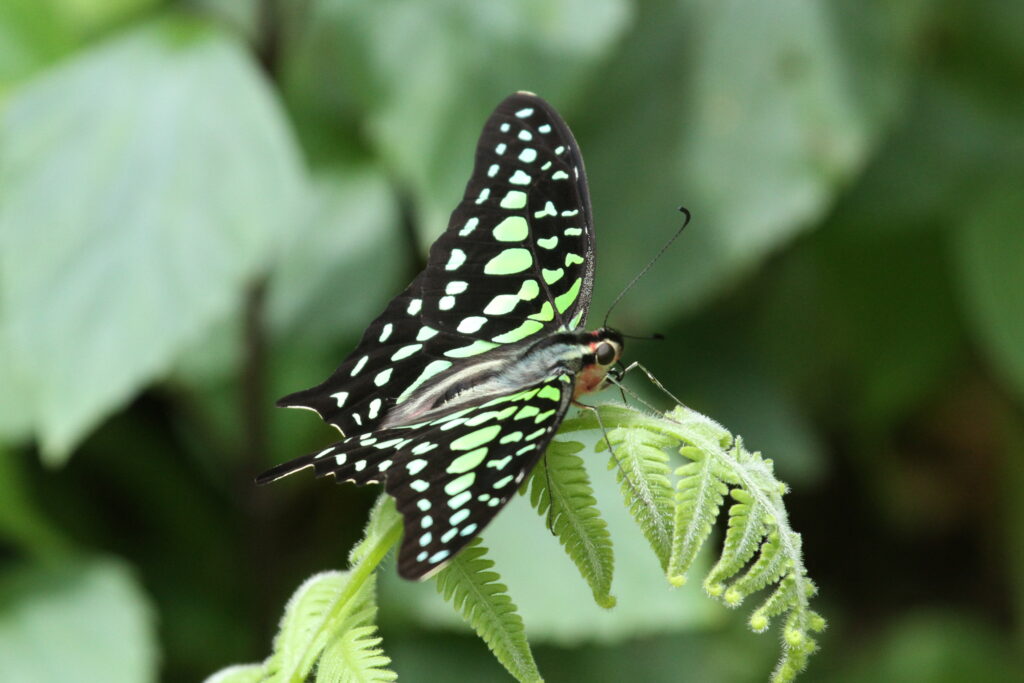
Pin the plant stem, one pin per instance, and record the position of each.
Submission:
(359, 574)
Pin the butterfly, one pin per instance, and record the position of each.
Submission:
(456, 389)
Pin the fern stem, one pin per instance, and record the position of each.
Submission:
(360, 573)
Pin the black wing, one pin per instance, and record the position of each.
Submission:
(517, 260)
(446, 501)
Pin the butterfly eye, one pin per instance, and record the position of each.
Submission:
(605, 353)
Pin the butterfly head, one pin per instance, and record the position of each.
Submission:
(602, 349)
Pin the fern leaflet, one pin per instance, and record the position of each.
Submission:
(474, 591)
(560, 488)
(354, 656)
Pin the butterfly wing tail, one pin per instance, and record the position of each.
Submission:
(351, 460)
(285, 468)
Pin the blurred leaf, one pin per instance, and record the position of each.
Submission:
(339, 263)
(87, 622)
(423, 76)
(343, 262)
(989, 253)
(90, 17)
(862, 321)
(145, 183)
(933, 646)
(15, 415)
(31, 35)
(757, 125)
(20, 521)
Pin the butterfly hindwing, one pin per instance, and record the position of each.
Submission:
(452, 475)
(516, 261)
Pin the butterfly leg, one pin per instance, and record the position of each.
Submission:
(615, 457)
(615, 376)
(652, 378)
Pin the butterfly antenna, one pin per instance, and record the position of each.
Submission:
(643, 271)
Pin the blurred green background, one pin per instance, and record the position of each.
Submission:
(203, 203)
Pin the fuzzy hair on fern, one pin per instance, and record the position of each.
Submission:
(328, 634)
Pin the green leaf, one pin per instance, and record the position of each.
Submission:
(32, 34)
(349, 240)
(474, 591)
(428, 74)
(86, 621)
(20, 520)
(560, 491)
(145, 182)
(989, 253)
(764, 114)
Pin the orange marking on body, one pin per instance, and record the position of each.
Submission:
(589, 379)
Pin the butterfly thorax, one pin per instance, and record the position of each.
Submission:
(587, 356)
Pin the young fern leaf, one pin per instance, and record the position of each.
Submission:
(239, 673)
(747, 518)
(354, 656)
(382, 532)
(302, 623)
(474, 591)
(758, 537)
(642, 471)
(699, 496)
(560, 489)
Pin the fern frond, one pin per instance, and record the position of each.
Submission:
(642, 471)
(560, 488)
(742, 539)
(699, 495)
(302, 625)
(758, 538)
(239, 673)
(474, 591)
(299, 647)
(355, 656)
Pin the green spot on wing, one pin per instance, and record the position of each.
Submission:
(529, 290)
(477, 347)
(527, 328)
(467, 461)
(526, 411)
(550, 392)
(460, 484)
(475, 439)
(563, 301)
(512, 229)
(552, 276)
(545, 314)
(513, 200)
(509, 261)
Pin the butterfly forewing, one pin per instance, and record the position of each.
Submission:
(517, 258)
(516, 261)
